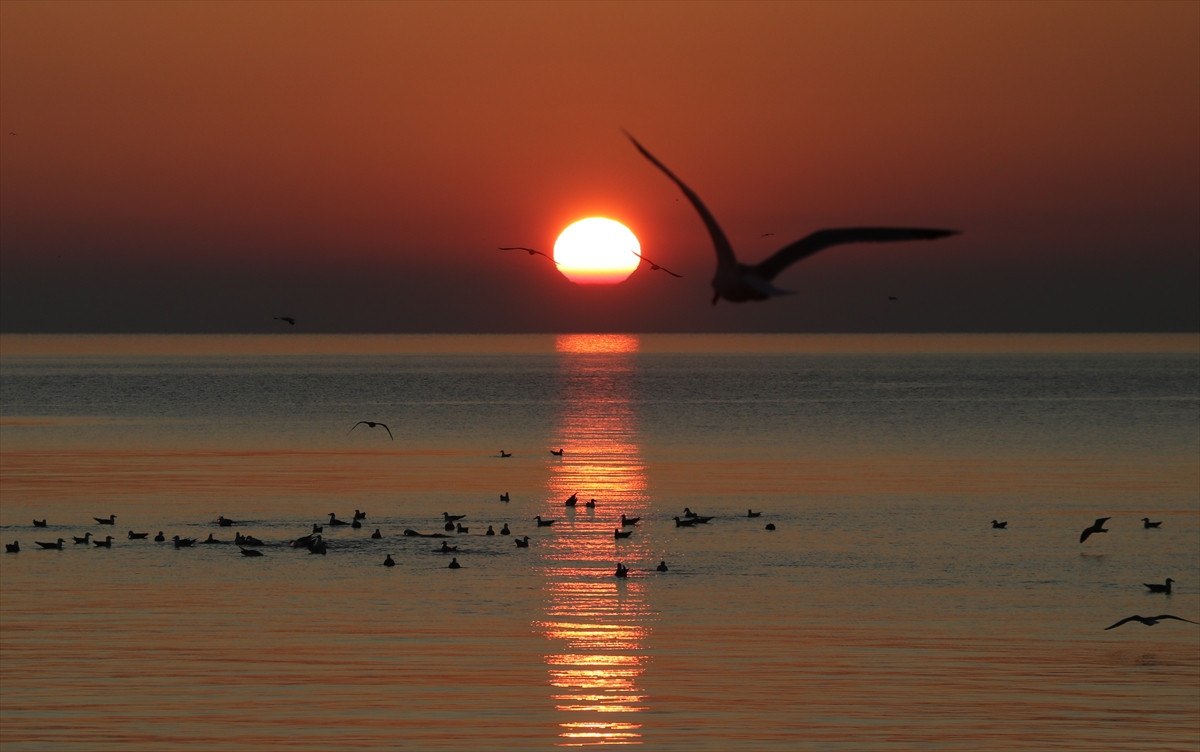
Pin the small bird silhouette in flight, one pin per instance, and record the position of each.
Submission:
(738, 282)
(530, 251)
(291, 321)
(655, 267)
(1097, 527)
(373, 424)
(1150, 621)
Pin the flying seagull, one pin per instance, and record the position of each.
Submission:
(530, 251)
(655, 267)
(372, 424)
(1097, 527)
(1150, 621)
(738, 282)
(288, 319)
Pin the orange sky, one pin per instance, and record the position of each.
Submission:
(206, 166)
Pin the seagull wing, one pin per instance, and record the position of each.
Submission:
(356, 425)
(1177, 618)
(1126, 619)
(1084, 535)
(822, 239)
(1100, 522)
(385, 427)
(725, 257)
(657, 266)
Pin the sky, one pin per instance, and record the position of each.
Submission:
(207, 167)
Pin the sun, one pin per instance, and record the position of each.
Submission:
(597, 251)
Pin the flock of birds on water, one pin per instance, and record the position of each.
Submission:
(315, 543)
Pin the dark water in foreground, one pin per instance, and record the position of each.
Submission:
(884, 612)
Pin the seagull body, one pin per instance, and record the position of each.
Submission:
(530, 251)
(543, 523)
(39, 523)
(389, 561)
(12, 548)
(111, 520)
(1146, 523)
(290, 321)
(522, 542)
(504, 496)
(454, 564)
(622, 570)
(334, 521)
(505, 454)
(1097, 527)
(138, 536)
(452, 517)
(106, 543)
(752, 513)
(373, 424)
(999, 525)
(87, 538)
(1150, 621)
(655, 267)
(571, 501)
(685, 523)
(662, 566)
(738, 282)
(629, 521)
(618, 533)
(1163, 588)
(504, 530)
(556, 452)
(250, 551)
(57, 544)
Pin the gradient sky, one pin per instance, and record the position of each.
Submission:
(208, 166)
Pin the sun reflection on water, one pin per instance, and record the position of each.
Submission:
(596, 623)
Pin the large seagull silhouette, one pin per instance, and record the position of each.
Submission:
(738, 282)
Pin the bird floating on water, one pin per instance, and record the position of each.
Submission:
(662, 566)
(522, 542)
(1163, 588)
(12, 548)
(373, 424)
(389, 561)
(138, 536)
(106, 543)
(556, 452)
(1097, 527)
(618, 533)
(504, 530)
(110, 520)
(1000, 525)
(738, 282)
(628, 521)
(571, 501)
(56, 545)
(656, 267)
(622, 570)
(504, 496)
(376, 535)
(87, 538)
(452, 517)
(752, 513)
(454, 564)
(39, 523)
(1146, 523)
(543, 523)
(505, 454)
(335, 522)
(1150, 621)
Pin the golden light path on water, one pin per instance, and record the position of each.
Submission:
(595, 622)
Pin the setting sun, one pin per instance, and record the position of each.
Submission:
(596, 251)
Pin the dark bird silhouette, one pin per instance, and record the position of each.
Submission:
(138, 536)
(1150, 621)
(752, 513)
(1163, 588)
(452, 517)
(662, 566)
(373, 424)
(335, 522)
(556, 452)
(359, 514)
(210, 540)
(160, 537)
(522, 542)
(87, 538)
(622, 570)
(505, 454)
(504, 496)
(318, 546)
(57, 544)
(318, 528)
(618, 533)
(1146, 523)
(629, 521)
(893, 297)
(530, 251)
(112, 520)
(544, 523)
(454, 564)
(770, 526)
(490, 531)
(738, 282)
(246, 540)
(106, 543)
(591, 504)
(688, 513)
(356, 523)
(1097, 527)
(656, 267)
(250, 551)
(460, 529)
(12, 548)
(223, 521)
(504, 530)
(447, 548)
(182, 542)
(389, 561)
(39, 523)
(999, 525)
(571, 501)
(290, 321)
(376, 535)
(685, 523)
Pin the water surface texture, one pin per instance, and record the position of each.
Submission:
(883, 612)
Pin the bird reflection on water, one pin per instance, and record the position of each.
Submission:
(597, 623)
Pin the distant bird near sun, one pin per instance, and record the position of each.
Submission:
(530, 251)
(597, 251)
(738, 282)
(655, 267)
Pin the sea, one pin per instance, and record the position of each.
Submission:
(869, 603)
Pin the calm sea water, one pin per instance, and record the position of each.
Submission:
(884, 612)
